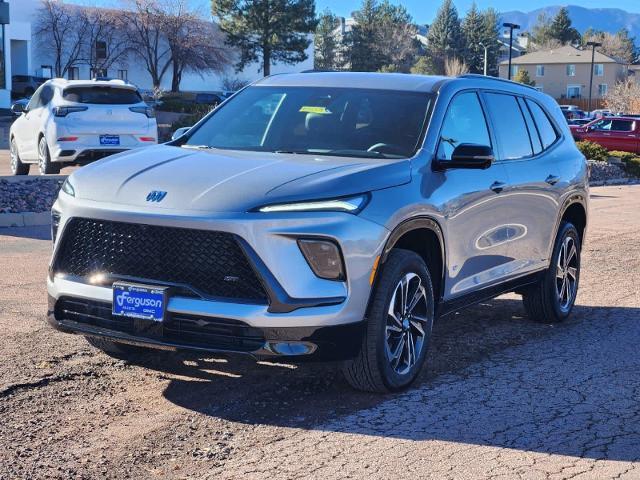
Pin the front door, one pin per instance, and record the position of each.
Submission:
(476, 214)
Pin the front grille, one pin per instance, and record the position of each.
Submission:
(207, 263)
(180, 329)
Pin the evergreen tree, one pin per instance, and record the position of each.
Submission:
(325, 42)
(491, 34)
(523, 77)
(364, 37)
(267, 30)
(561, 30)
(474, 39)
(445, 35)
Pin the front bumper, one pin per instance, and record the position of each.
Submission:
(206, 334)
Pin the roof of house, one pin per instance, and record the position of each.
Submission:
(561, 55)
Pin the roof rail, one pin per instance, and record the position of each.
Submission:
(477, 76)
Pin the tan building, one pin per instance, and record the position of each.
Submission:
(564, 72)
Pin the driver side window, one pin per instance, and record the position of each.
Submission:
(464, 122)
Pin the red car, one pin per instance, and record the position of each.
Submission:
(613, 133)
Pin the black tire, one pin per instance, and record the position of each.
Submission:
(46, 166)
(373, 370)
(542, 301)
(121, 351)
(17, 167)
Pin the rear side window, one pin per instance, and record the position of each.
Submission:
(102, 95)
(622, 126)
(509, 126)
(548, 134)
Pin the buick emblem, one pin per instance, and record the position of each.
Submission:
(156, 196)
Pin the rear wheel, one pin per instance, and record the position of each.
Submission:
(17, 167)
(399, 323)
(44, 158)
(552, 298)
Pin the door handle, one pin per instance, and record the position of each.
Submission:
(552, 179)
(497, 186)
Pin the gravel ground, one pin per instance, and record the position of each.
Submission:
(28, 196)
(501, 397)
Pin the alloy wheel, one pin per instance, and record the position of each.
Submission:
(13, 153)
(567, 273)
(42, 155)
(407, 323)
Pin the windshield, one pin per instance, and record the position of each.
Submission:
(102, 95)
(311, 120)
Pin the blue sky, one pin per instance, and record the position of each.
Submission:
(423, 11)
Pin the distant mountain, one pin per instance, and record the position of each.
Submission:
(606, 19)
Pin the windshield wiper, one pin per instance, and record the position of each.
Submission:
(196, 147)
(360, 153)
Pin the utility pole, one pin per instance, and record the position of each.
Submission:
(486, 58)
(593, 46)
(511, 27)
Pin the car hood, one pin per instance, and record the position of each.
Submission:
(230, 181)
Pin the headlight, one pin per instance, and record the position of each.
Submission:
(68, 188)
(350, 205)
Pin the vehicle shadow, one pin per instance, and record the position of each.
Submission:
(493, 378)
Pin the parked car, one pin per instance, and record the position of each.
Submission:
(579, 122)
(601, 112)
(573, 114)
(207, 99)
(78, 121)
(613, 133)
(25, 84)
(19, 106)
(327, 216)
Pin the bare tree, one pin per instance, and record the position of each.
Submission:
(453, 67)
(60, 29)
(195, 45)
(106, 42)
(624, 97)
(146, 24)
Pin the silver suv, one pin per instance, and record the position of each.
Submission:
(330, 216)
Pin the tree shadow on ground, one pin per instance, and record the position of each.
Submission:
(493, 378)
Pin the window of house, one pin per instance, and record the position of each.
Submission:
(101, 50)
(509, 126)
(122, 75)
(571, 70)
(98, 72)
(539, 70)
(548, 134)
(598, 70)
(603, 88)
(73, 73)
(574, 91)
(464, 122)
(514, 70)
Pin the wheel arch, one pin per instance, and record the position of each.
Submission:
(423, 236)
(574, 210)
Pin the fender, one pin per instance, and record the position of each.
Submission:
(572, 199)
(418, 223)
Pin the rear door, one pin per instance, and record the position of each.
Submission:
(536, 181)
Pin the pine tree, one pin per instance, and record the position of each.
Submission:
(267, 30)
(364, 39)
(490, 35)
(325, 42)
(561, 29)
(445, 37)
(474, 40)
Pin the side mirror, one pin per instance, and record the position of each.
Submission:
(468, 155)
(18, 108)
(179, 132)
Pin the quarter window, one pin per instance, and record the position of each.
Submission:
(533, 132)
(509, 126)
(548, 134)
(464, 122)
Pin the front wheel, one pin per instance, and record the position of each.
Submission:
(44, 159)
(17, 167)
(552, 298)
(399, 323)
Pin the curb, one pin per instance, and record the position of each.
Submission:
(26, 219)
(29, 178)
(614, 181)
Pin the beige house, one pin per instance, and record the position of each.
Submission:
(564, 72)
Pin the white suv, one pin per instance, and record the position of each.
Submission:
(78, 121)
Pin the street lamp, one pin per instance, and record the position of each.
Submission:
(486, 57)
(511, 27)
(593, 46)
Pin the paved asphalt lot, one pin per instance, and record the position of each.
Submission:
(501, 398)
(5, 167)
